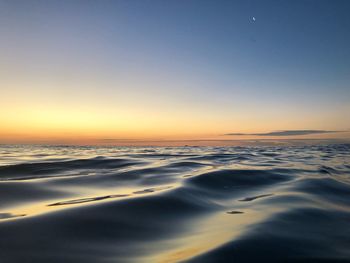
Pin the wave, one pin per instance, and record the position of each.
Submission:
(27, 171)
(190, 204)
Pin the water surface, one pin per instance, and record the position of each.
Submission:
(193, 204)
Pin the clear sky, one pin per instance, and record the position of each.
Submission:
(173, 69)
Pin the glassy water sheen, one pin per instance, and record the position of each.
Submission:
(193, 204)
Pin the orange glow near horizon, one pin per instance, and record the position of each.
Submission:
(37, 110)
(34, 122)
(105, 127)
(54, 111)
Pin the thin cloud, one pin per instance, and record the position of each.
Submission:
(286, 133)
(112, 139)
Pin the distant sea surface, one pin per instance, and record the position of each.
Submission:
(175, 204)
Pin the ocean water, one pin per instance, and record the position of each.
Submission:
(190, 204)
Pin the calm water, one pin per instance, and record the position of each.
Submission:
(195, 204)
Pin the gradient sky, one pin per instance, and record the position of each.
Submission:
(183, 69)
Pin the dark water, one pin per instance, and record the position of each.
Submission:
(195, 204)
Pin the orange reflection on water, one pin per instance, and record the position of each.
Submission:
(208, 233)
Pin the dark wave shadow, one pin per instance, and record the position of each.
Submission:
(252, 198)
(9, 215)
(86, 200)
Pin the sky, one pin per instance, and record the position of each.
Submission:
(104, 71)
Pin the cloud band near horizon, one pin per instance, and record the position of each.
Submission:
(285, 133)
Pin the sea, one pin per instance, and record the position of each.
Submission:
(284, 203)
